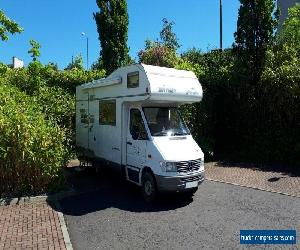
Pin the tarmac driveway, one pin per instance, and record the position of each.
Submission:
(109, 214)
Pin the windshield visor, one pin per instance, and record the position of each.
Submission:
(165, 121)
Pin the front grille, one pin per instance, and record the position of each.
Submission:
(188, 166)
(191, 178)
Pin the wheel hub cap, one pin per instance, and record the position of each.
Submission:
(148, 188)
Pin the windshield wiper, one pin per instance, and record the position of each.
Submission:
(179, 133)
(161, 133)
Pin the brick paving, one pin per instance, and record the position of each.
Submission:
(30, 225)
(252, 177)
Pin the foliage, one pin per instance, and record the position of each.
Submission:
(268, 114)
(32, 148)
(167, 36)
(256, 26)
(158, 54)
(210, 118)
(242, 121)
(112, 26)
(8, 26)
(163, 52)
(52, 65)
(97, 65)
(290, 32)
(34, 50)
(281, 93)
(39, 102)
(77, 63)
(38, 75)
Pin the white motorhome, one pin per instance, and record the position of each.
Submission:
(131, 119)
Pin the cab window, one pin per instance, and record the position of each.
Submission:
(137, 127)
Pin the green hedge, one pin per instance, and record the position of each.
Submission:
(37, 114)
(32, 149)
(238, 121)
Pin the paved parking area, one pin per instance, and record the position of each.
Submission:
(250, 176)
(107, 213)
(30, 225)
(113, 215)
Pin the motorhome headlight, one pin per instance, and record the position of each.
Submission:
(163, 165)
(171, 167)
(168, 166)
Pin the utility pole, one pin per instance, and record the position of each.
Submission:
(221, 26)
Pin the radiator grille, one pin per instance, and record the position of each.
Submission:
(192, 178)
(188, 166)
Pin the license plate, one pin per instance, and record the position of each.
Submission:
(191, 184)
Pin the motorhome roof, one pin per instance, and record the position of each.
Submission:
(158, 83)
(170, 72)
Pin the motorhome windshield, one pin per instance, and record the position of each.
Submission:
(165, 121)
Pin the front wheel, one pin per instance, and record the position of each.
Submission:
(191, 192)
(149, 189)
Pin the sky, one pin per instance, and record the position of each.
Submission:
(57, 25)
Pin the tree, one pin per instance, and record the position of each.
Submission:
(281, 88)
(167, 36)
(34, 50)
(256, 26)
(97, 65)
(8, 26)
(156, 53)
(77, 63)
(290, 32)
(161, 52)
(112, 26)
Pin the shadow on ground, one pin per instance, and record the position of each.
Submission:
(96, 193)
(289, 171)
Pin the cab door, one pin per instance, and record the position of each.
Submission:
(136, 145)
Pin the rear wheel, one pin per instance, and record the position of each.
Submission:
(149, 187)
(96, 167)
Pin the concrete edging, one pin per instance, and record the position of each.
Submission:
(256, 188)
(63, 226)
(55, 199)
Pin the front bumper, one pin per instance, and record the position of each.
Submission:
(178, 183)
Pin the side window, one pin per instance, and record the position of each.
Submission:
(107, 112)
(137, 127)
(133, 80)
(83, 116)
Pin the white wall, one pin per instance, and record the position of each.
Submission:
(17, 63)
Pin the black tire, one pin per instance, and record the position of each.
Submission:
(149, 188)
(191, 192)
(123, 173)
(96, 167)
(97, 171)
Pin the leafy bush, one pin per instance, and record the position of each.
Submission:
(32, 149)
(37, 115)
(158, 54)
(209, 119)
(162, 52)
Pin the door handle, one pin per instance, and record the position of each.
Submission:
(129, 143)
